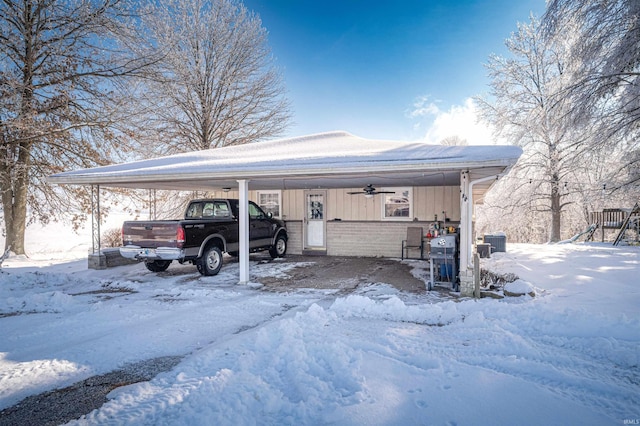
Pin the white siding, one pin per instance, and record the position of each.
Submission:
(360, 230)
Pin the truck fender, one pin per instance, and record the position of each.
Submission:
(222, 243)
(281, 229)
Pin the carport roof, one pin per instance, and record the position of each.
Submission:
(326, 160)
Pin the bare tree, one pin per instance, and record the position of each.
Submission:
(529, 109)
(217, 84)
(581, 99)
(454, 140)
(512, 207)
(60, 71)
(606, 52)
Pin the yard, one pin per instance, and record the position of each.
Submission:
(350, 349)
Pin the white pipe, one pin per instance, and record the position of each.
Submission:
(470, 215)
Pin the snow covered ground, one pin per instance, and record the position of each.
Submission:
(570, 355)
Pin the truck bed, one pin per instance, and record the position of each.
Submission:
(151, 234)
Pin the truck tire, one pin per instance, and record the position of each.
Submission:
(157, 265)
(279, 249)
(210, 262)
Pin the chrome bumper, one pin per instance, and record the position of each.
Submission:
(160, 253)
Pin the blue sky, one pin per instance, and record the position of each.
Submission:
(387, 69)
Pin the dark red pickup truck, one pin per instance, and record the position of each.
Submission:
(209, 228)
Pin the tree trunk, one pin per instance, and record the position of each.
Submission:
(556, 213)
(14, 228)
(7, 210)
(19, 179)
(19, 211)
(14, 204)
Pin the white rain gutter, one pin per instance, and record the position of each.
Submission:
(468, 254)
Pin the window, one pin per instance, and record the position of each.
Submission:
(221, 209)
(398, 205)
(270, 202)
(254, 212)
(315, 207)
(195, 210)
(209, 209)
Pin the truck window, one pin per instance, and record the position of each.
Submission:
(195, 210)
(221, 209)
(207, 210)
(255, 212)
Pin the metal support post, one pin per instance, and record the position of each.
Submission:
(152, 205)
(95, 218)
(243, 189)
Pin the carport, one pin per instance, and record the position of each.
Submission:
(327, 160)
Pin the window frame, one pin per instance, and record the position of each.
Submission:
(276, 192)
(397, 190)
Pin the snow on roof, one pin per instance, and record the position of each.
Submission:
(314, 155)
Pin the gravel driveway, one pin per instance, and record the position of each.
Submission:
(347, 273)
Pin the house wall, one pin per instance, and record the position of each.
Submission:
(370, 239)
(354, 223)
(427, 202)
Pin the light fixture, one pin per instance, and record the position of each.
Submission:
(226, 189)
(368, 195)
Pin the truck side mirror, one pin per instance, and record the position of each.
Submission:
(270, 215)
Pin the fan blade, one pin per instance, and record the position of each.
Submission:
(355, 193)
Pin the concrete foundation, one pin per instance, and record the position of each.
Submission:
(467, 285)
(108, 258)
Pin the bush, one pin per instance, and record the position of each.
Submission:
(111, 238)
(493, 280)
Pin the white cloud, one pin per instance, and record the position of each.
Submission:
(459, 120)
(422, 107)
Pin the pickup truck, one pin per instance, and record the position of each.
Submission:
(209, 228)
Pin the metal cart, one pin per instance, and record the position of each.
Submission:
(443, 262)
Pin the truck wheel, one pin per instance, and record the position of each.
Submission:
(157, 265)
(210, 262)
(279, 249)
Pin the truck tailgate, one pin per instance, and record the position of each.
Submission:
(150, 234)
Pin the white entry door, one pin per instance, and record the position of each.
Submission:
(315, 220)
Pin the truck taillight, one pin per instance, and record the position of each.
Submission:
(180, 237)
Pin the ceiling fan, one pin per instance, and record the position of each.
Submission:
(369, 191)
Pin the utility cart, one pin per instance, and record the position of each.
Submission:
(443, 262)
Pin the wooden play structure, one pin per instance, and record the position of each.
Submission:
(620, 220)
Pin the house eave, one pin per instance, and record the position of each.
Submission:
(157, 179)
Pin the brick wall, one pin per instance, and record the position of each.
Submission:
(360, 238)
(294, 231)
